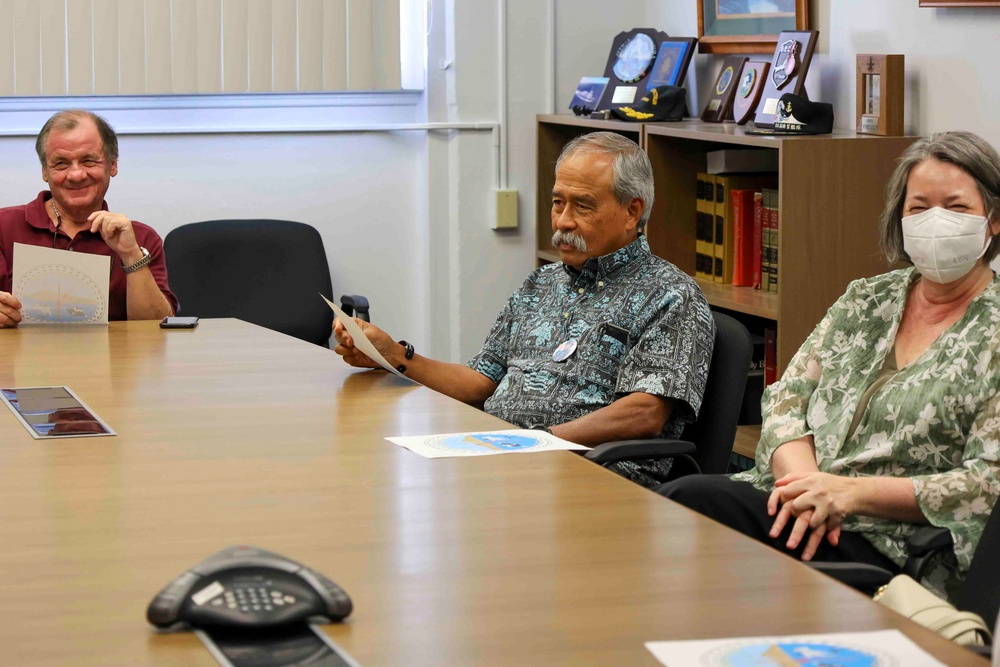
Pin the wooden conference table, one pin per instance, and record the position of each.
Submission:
(233, 434)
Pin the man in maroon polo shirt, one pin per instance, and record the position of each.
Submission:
(79, 155)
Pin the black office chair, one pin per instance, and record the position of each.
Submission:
(980, 592)
(267, 272)
(706, 444)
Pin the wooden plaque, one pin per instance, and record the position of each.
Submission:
(880, 94)
(720, 103)
(748, 90)
(630, 65)
(788, 72)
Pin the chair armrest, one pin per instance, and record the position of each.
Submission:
(923, 546)
(860, 576)
(632, 450)
(355, 305)
(928, 539)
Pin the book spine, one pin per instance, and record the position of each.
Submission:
(770, 355)
(775, 211)
(738, 242)
(765, 272)
(720, 229)
(704, 235)
(757, 240)
(743, 224)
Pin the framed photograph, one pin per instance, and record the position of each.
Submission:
(879, 94)
(589, 92)
(747, 26)
(960, 3)
(672, 62)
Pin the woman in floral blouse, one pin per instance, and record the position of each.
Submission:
(888, 416)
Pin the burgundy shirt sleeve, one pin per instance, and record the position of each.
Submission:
(151, 241)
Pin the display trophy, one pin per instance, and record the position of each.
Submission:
(720, 104)
(788, 72)
(748, 92)
(880, 94)
(630, 65)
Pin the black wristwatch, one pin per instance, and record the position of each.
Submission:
(407, 354)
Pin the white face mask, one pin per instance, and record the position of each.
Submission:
(944, 245)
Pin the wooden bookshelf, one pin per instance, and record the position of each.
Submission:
(747, 438)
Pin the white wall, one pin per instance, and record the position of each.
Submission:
(406, 216)
(365, 193)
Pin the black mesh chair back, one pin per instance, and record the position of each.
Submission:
(981, 589)
(267, 272)
(715, 429)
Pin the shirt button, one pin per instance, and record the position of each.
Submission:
(581, 290)
(600, 284)
(566, 315)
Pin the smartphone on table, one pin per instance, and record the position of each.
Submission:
(178, 322)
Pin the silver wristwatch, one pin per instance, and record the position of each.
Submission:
(138, 264)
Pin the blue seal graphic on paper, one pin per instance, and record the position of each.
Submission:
(55, 293)
(485, 442)
(799, 654)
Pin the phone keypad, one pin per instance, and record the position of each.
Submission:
(250, 598)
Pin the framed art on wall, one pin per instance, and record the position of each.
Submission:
(960, 3)
(747, 26)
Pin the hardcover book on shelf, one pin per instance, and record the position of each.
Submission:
(757, 242)
(775, 264)
(769, 221)
(725, 246)
(743, 237)
(770, 240)
(704, 228)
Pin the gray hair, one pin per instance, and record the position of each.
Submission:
(68, 120)
(967, 151)
(631, 173)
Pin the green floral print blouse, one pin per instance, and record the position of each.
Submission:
(936, 421)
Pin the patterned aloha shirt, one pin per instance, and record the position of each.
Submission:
(936, 421)
(640, 325)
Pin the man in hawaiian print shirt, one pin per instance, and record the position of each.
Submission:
(610, 343)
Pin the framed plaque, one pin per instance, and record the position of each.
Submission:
(748, 90)
(788, 72)
(880, 94)
(720, 103)
(672, 62)
(630, 65)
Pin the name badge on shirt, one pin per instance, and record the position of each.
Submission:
(564, 351)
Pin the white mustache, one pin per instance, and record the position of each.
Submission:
(569, 238)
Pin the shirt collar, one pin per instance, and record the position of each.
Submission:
(38, 216)
(608, 266)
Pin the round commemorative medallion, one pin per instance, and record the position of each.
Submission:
(724, 81)
(564, 351)
(634, 58)
(746, 85)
